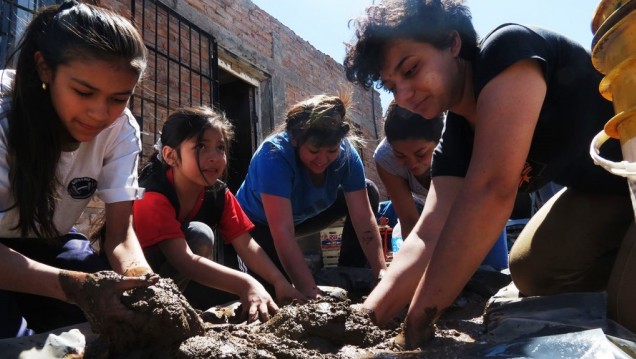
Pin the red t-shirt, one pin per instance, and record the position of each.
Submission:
(155, 220)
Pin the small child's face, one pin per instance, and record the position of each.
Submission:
(212, 158)
(89, 96)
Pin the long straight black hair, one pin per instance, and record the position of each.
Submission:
(62, 34)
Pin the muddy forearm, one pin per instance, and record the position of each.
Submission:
(297, 269)
(126, 256)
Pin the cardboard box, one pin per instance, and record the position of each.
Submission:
(331, 238)
(330, 241)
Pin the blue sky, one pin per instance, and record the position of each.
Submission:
(324, 23)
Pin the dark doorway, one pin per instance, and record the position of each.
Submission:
(237, 101)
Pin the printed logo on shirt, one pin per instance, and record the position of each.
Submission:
(82, 187)
(530, 177)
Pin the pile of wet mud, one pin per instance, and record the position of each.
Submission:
(329, 327)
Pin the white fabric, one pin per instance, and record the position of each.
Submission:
(110, 159)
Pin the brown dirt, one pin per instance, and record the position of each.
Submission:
(327, 328)
(163, 319)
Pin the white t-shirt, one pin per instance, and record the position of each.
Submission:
(107, 166)
(384, 157)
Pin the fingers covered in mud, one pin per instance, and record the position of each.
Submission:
(418, 329)
(257, 304)
(99, 294)
(286, 294)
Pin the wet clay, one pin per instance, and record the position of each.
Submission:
(330, 327)
(162, 320)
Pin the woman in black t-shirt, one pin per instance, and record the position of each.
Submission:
(523, 106)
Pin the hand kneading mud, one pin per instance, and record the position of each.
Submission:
(161, 319)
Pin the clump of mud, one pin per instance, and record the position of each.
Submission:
(329, 327)
(163, 319)
(318, 329)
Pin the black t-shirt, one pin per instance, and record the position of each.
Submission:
(573, 113)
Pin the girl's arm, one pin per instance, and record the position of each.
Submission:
(91, 292)
(366, 228)
(254, 298)
(258, 261)
(278, 211)
(121, 245)
(506, 115)
(400, 194)
(21, 274)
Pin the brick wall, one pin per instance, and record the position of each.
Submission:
(287, 67)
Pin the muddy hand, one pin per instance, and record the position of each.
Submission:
(363, 311)
(137, 271)
(286, 293)
(99, 294)
(415, 333)
(258, 304)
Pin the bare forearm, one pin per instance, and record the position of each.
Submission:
(407, 224)
(125, 255)
(121, 245)
(21, 274)
(214, 275)
(396, 289)
(462, 247)
(257, 260)
(293, 260)
(371, 244)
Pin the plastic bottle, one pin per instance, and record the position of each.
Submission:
(396, 238)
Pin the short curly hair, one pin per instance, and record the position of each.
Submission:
(430, 21)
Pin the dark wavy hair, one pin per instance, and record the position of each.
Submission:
(430, 21)
(62, 34)
(184, 124)
(402, 124)
(321, 121)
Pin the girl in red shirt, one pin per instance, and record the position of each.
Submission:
(185, 201)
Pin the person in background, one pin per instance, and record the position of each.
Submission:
(185, 200)
(66, 134)
(303, 178)
(523, 106)
(403, 161)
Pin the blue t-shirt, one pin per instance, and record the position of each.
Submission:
(275, 169)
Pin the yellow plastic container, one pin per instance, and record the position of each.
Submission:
(614, 54)
(616, 45)
(619, 86)
(622, 126)
(608, 11)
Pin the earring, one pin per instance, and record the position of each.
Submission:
(43, 86)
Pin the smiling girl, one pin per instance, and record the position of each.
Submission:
(302, 179)
(65, 135)
(185, 201)
(403, 160)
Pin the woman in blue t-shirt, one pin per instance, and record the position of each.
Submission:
(303, 178)
(523, 106)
